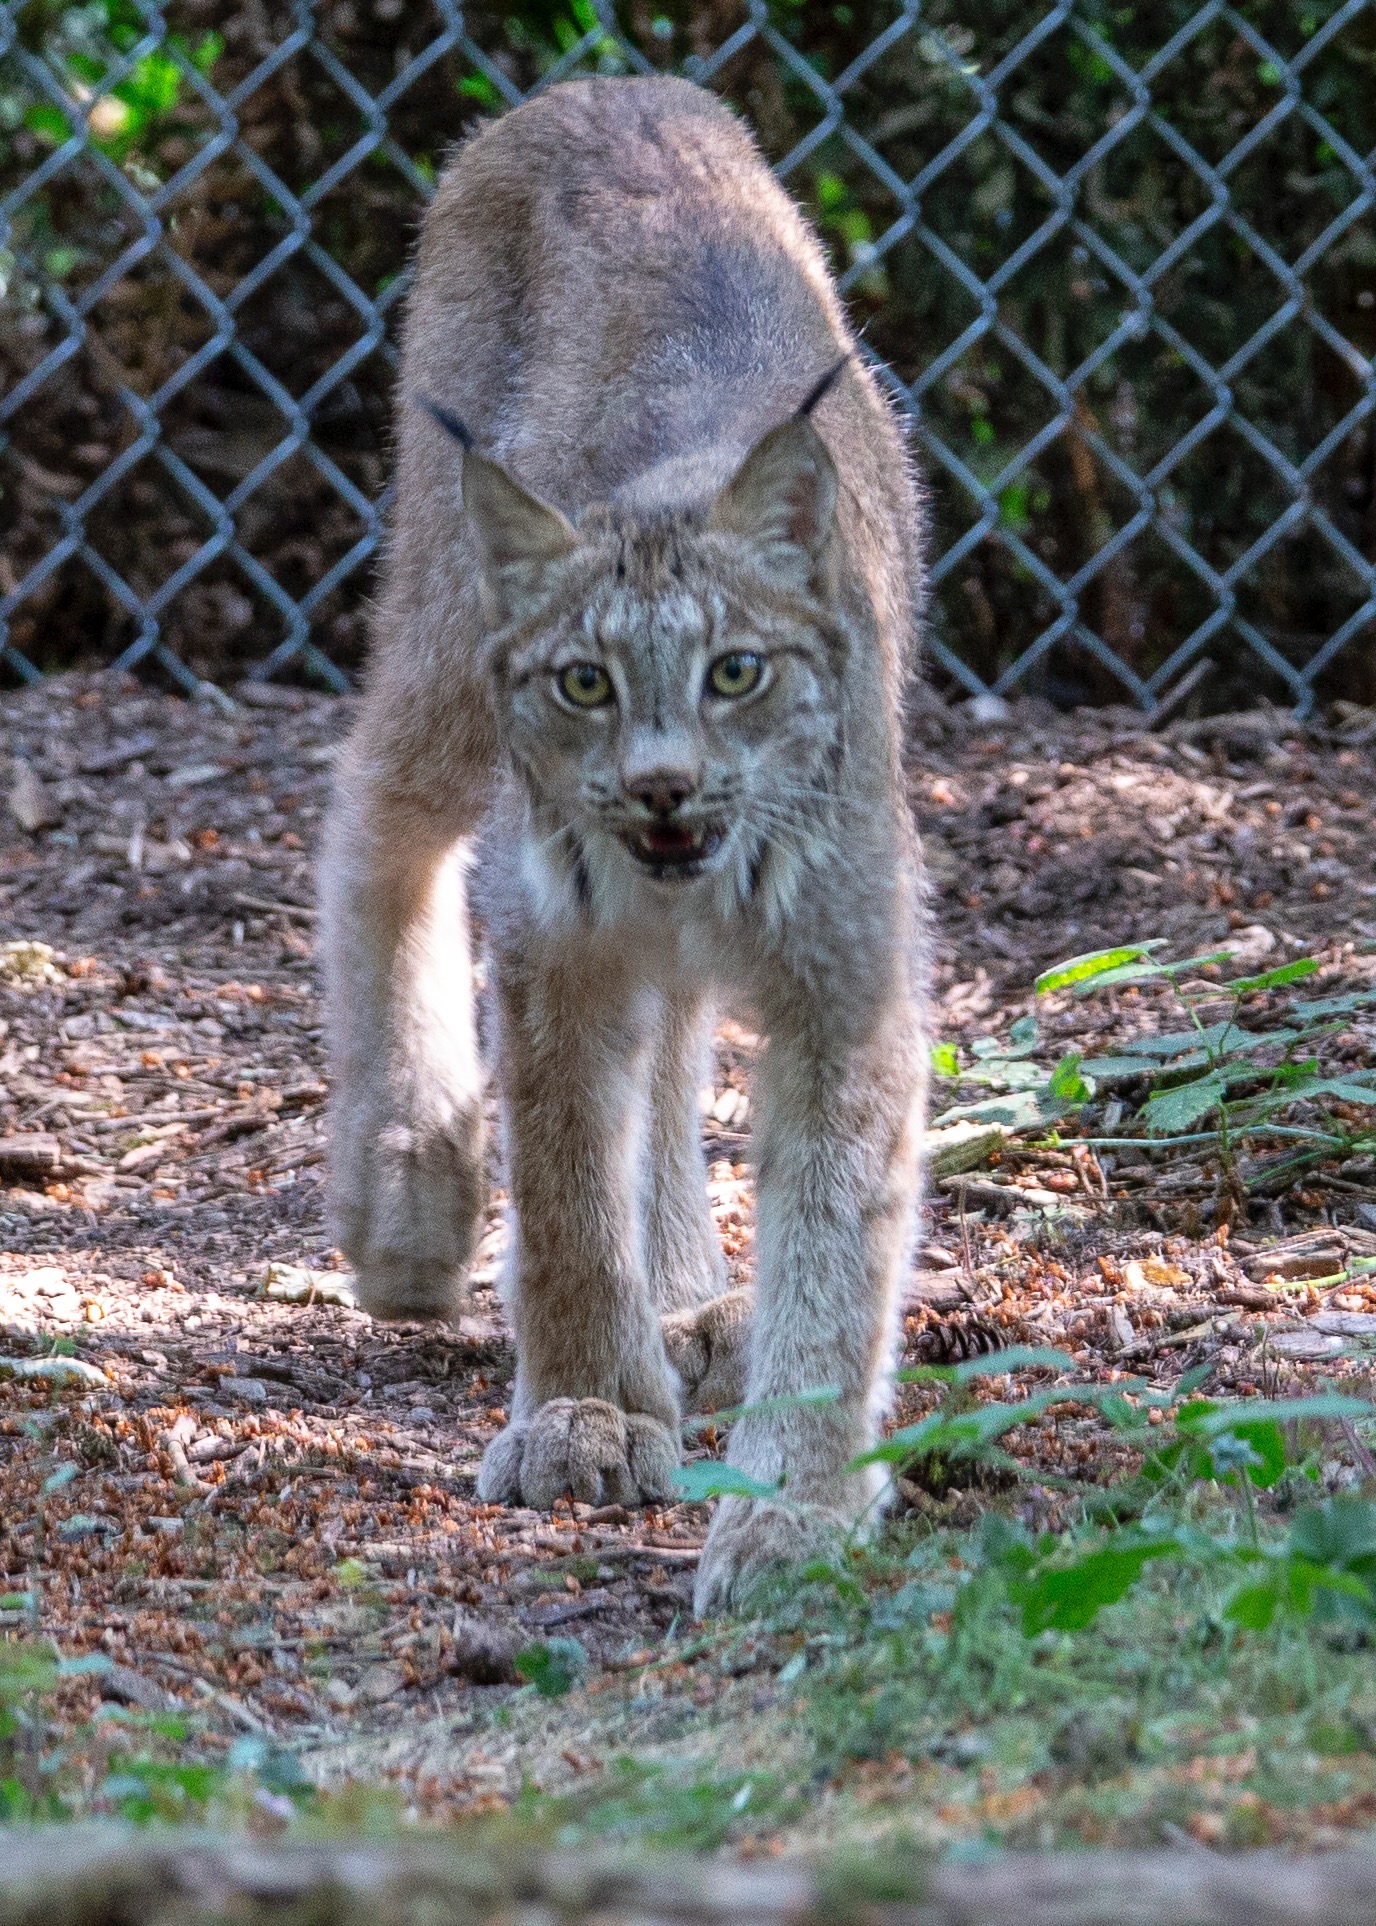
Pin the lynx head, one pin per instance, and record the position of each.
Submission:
(667, 685)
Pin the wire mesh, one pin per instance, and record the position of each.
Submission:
(1117, 264)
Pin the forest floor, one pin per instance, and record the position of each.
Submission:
(254, 1509)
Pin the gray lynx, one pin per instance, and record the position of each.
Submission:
(635, 711)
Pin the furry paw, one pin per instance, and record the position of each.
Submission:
(751, 1537)
(409, 1217)
(584, 1447)
(707, 1347)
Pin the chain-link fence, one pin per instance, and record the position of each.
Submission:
(1117, 260)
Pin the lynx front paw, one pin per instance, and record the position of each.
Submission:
(409, 1209)
(751, 1537)
(583, 1447)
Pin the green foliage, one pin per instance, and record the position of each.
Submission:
(1067, 1598)
(657, 1805)
(1251, 1083)
(705, 1478)
(157, 1773)
(1240, 1444)
(553, 1666)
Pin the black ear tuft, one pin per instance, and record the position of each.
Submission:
(820, 388)
(447, 420)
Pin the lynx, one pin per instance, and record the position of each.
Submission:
(634, 716)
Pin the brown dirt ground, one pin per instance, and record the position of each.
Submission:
(162, 1117)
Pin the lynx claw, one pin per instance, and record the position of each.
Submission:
(707, 1347)
(584, 1447)
(749, 1538)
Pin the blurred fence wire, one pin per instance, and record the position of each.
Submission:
(1118, 262)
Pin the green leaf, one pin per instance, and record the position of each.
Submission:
(1001, 1542)
(1254, 1606)
(1017, 1357)
(1179, 1043)
(478, 87)
(1272, 979)
(80, 1667)
(552, 1666)
(1266, 1448)
(1104, 1069)
(698, 1482)
(1207, 1420)
(1200, 962)
(1067, 1598)
(1017, 1112)
(48, 122)
(1191, 1380)
(1291, 1586)
(207, 51)
(1067, 1086)
(1339, 1532)
(1005, 1073)
(1332, 1006)
(945, 1062)
(1168, 1112)
(62, 1476)
(1081, 970)
(823, 1394)
(964, 1434)
(1349, 1089)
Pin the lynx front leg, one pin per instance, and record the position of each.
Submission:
(406, 1147)
(838, 1172)
(595, 1410)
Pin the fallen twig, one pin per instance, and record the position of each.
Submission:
(300, 911)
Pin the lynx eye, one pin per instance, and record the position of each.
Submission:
(735, 674)
(585, 685)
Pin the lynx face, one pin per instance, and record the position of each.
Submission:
(669, 691)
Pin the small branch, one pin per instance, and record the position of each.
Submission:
(300, 911)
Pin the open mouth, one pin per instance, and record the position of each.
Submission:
(673, 849)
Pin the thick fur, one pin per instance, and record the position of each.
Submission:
(624, 308)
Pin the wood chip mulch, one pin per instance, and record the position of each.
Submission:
(272, 1515)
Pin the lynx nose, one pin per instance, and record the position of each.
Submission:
(662, 784)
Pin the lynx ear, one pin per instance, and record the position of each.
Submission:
(517, 530)
(518, 534)
(783, 498)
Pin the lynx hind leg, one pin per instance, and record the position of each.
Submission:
(708, 1348)
(683, 1259)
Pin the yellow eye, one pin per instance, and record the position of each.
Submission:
(585, 685)
(735, 674)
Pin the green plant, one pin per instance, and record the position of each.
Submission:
(1239, 1444)
(1248, 1081)
(553, 1666)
